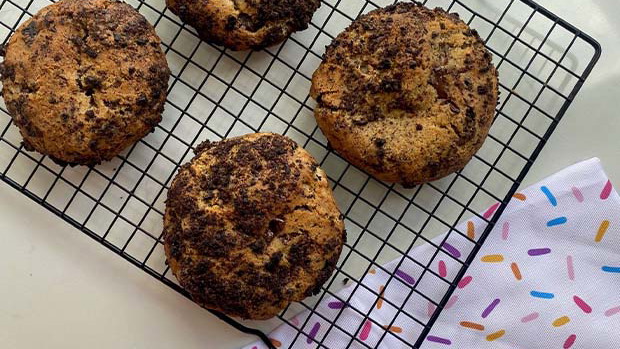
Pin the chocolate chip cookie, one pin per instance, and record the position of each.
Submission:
(251, 225)
(84, 79)
(245, 24)
(406, 93)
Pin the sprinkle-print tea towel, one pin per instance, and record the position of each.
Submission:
(548, 276)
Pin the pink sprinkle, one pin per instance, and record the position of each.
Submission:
(606, 190)
(490, 308)
(570, 268)
(489, 213)
(451, 302)
(295, 321)
(570, 341)
(254, 347)
(438, 340)
(612, 311)
(365, 330)
(582, 304)
(464, 281)
(577, 193)
(443, 272)
(530, 317)
(313, 332)
(505, 230)
(336, 305)
(430, 309)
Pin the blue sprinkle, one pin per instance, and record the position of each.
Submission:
(557, 221)
(549, 195)
(544, 295)
(611, 269)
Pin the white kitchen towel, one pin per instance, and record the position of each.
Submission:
(548, 276)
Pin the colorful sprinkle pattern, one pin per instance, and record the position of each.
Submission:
(496, 335)
(538, 251)
(472, 325)
(452, 250)
(313, 332)
(516, 271)
(529, 255)
(490, 308)
(408, 278)
(530, 317)
(438, 340)
(543, 295)
(569, 341)
(557, 221)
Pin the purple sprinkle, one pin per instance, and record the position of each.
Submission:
(538, 251)
(453, 251)
(336, 305)
(490, 308)
(438, 340)
(408, 278)
(313, 332)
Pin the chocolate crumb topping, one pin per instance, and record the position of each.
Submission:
(251, 225)
(243, 24)
(418, 78)
(87, 46)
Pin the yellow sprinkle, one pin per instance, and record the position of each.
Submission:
(471, 233)
(561, 321)
(493, 258)
(496, 335)
(601, 231)
(519, 196)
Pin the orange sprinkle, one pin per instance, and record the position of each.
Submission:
(275, 342)
(471, 233)
(519, 196)
(372, 271)
(601, 231)
(472, 325)
(516, 271)
(561, 321)
(380, 300)
(496, 335)
(492, 258)
(394, 329)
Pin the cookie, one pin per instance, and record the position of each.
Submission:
(84, 79)
(245, 24)
(406, 93)
(251, 225)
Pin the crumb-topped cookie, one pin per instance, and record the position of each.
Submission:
(251, 225)
(406, 93)
(245, 24)
(84, 79)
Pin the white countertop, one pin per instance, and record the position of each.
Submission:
(59, 289)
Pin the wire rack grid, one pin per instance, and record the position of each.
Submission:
(215, 93)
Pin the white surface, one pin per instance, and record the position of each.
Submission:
(58, 289)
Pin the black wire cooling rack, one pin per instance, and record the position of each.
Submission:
(214, 93)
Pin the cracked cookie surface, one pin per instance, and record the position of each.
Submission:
(251, 225)
(84, 79)
(245, 24)
(406, 93)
